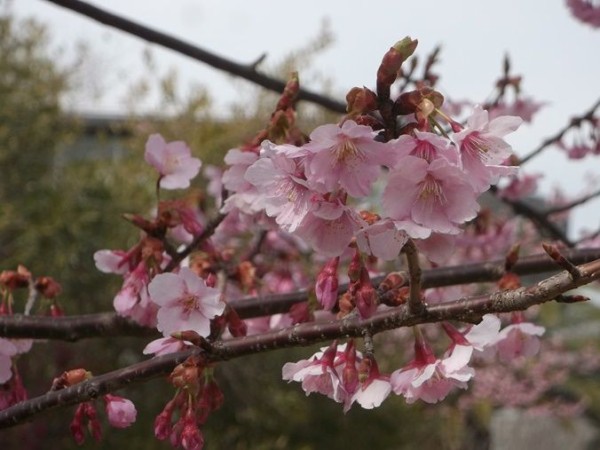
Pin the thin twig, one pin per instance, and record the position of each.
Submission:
(246, 71)
(206, 233)
(538, 218)
(558, 136)
(560, 259)
(572, 204)
(303, 335)
(415, 302)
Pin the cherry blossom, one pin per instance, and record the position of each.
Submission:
(244, 195)
(277, 178)
(587, 11)
(482, 148)
(164, 346)
(475, 338)
(431, 379)
(121, 412)
(520, 187)
(7, 351)
(383, 239)
(318, 374)
(373, 390)
(132, 300)
(112, 261)
(173, 161)
(428, 146)
(346, 157)
(329, 228)
(525, 108)
(435, 196)
(519, 339)
(185, 302)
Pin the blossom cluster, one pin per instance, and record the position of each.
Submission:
(355, 193)
(344, 375)
(430, 184)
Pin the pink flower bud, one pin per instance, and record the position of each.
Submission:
(366, 296)
(350, 373)
(162, 423)
(236, 326)
(191, 437)
(326, 288)
(121, 412)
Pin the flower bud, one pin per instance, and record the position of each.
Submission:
(47, 287)
(391, 63)
(366, 296)
(326, 287)
(360, 101)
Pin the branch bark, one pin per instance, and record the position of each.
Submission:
(108, 324)
(303, 335)
(246, 71)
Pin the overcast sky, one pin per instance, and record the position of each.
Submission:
(557, 55)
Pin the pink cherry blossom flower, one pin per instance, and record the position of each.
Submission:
(588, 11)
(346, 157)
(244, 195)
(482, 148)
(318, 374)
(435, 196)
(185, 302)
(214, 188)
(431, 379)
(525, 108)
(132, 300)
(173, 161)
(7, 351)
(372, 391)
(112, 261)
(329, 228)
(372, 394)
(428, 146)
(438, 248)
(521, 187)
(384, 239)
(518, 339)
(475, 338)
(277, 178)
(121, 412)
(164, 346)
(484, 334)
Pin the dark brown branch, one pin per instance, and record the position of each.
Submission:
(206, 233)
(246, 71)
(573, 204)
(303, 335)
(72, 328)
(558, 136)
(415, 302)
(539, 219)
(111, 325)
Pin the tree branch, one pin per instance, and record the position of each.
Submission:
(246, 71)
(558, 136)
(573, 204)
(303, 335)
(415, 303)
(539, 219)
(75, 328)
